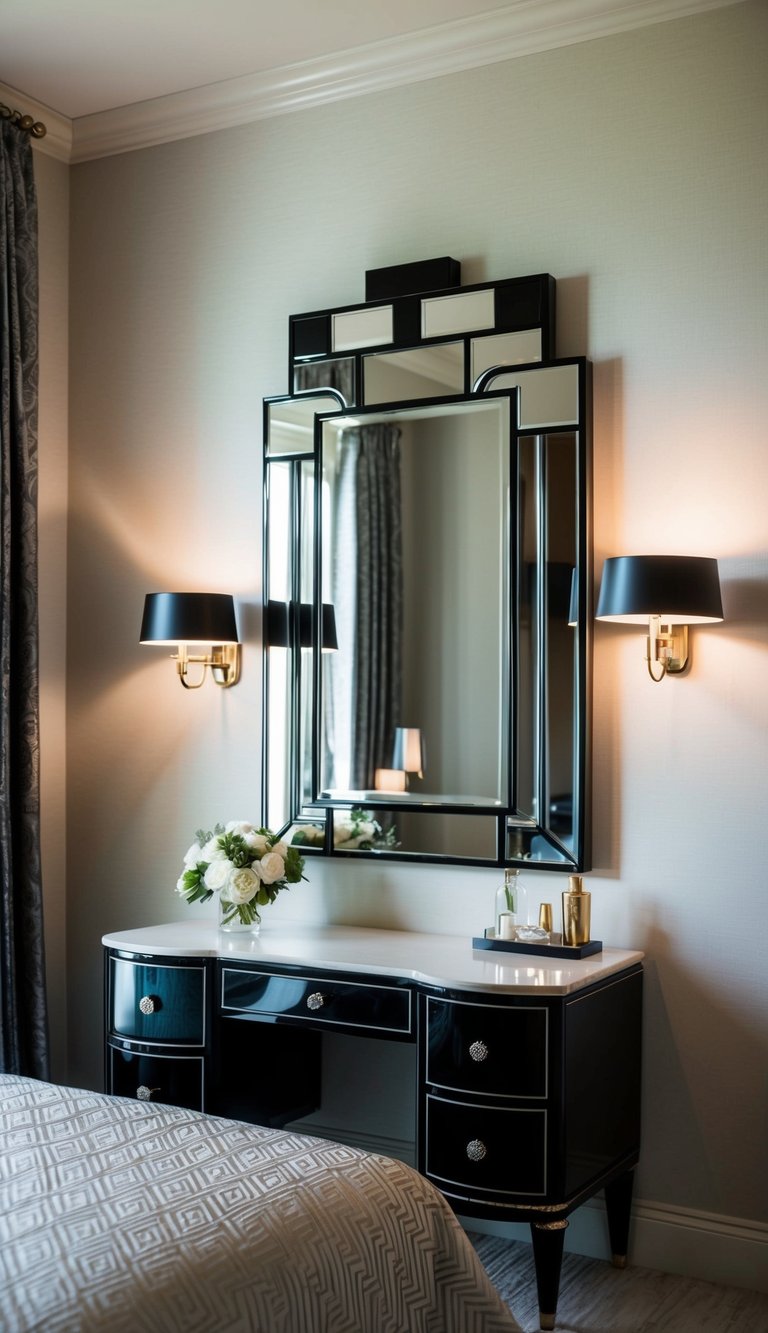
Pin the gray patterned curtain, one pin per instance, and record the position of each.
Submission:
(23, 1012)
(378, 678)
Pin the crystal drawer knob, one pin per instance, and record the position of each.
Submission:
(148, 1004)
(144, 1093)
(478, 1051)
(315, 1000)
(476, 1150)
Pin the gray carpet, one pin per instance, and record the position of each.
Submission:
(597, 1298)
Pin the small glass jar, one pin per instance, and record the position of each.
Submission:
(511, 908)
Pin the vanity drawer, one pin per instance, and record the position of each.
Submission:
(320, 1000)
(494, 1149)
(492, 1050)
(174, 1080)
(157, 1002)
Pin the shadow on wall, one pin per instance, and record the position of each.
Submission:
(699, 1040)
(744, 582)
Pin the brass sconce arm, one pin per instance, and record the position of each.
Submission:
(224, 661)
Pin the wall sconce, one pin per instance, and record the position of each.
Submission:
(670, 592)
(408, 753)
(276, 632)
(184, 618)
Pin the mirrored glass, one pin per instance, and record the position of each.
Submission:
(528, 626)
(441, 315)
(421, 372)
(414, 833)
(414, 560)
(560, 460)
(278, 659)
(549, 396)
(337, 373)
(362, 328)
(290, 423)
(504, 349)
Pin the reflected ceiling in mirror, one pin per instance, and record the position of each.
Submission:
(420, 372)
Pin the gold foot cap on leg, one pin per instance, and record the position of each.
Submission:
(546, 1321)
(619, 1260)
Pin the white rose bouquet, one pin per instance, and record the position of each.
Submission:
(353, 831)
(247, 867)
(357, 830)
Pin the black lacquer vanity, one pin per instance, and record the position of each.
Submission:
(527, 1070)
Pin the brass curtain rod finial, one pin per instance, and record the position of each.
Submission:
(25, 122)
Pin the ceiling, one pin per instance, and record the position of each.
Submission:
(83, 56)
(109, 76)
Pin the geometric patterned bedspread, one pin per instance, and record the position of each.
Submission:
(139, 1218)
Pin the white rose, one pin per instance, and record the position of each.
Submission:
(342, 831)
(239, 826)
(194, 855)
(271, 867)
(366, 828)
(217, 876)
(213, 850)
(256, 841)
(243, 886)
(281, 848)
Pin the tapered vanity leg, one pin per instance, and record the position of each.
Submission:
(548, 1238)
(618, 1205)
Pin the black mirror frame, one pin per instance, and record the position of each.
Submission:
(321, 811)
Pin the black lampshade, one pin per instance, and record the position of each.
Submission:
(189, 617)
(276, 631)
(680, 589)
(276, 624)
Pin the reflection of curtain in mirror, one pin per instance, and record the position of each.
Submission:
(339, 375)
(368, 597)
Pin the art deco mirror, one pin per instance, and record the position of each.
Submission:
(427, 574)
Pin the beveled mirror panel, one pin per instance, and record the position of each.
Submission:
(420, 372)
(414, 557)
(503, 349)
(362, 328)
(441, 315)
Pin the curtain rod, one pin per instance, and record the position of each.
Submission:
(35, 127)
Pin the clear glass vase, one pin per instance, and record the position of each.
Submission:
(231, 920)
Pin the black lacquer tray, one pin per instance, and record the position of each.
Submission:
(489, 941)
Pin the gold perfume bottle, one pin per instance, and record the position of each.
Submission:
(576, 912)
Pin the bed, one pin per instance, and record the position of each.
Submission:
(132, 1216)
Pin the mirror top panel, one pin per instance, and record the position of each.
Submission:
(510, 305)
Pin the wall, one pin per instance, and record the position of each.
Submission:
(631, 168)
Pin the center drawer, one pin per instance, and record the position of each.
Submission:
(320, 999)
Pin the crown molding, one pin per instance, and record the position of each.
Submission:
(58, 139)
(524, 27)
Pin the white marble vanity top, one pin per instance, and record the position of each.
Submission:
(439, 960)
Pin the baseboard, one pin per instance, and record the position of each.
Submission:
(706, 1246)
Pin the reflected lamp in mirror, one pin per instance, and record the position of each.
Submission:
(408, 751)
(669, 593)
(389, 779)
(192, 619)
(277, 633)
